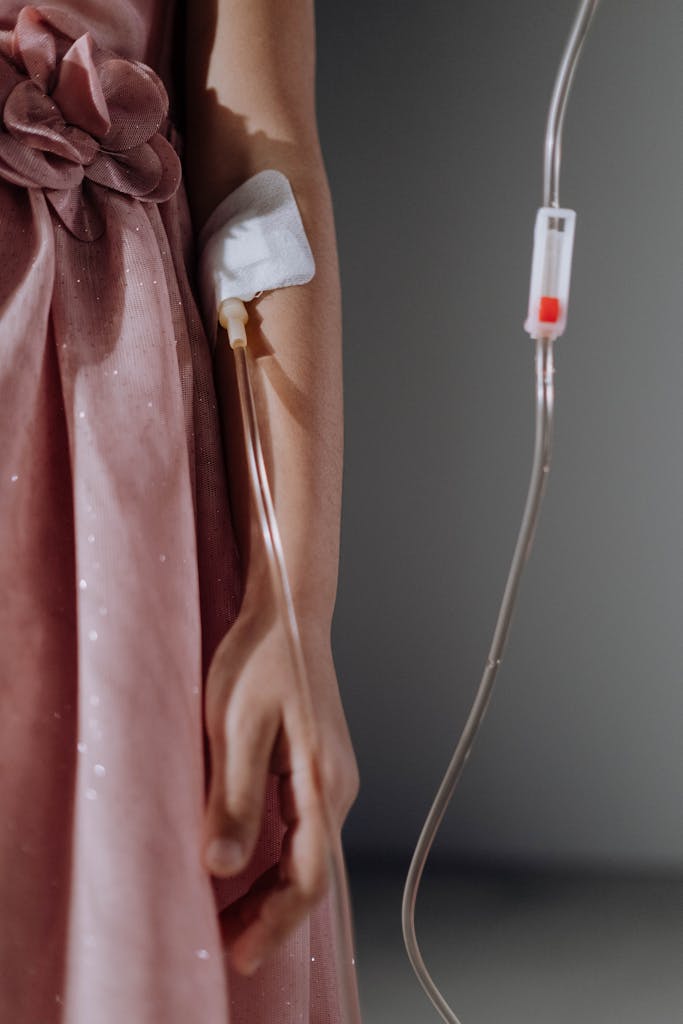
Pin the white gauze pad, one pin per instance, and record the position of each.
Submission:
(254, 241)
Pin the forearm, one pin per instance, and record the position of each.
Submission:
(295, 336)
(295, 333)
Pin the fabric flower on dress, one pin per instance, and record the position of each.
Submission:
(78, 121)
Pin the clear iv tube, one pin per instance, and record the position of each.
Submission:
(539, 474)
(558, 103)
(280, 580)
(541, 466)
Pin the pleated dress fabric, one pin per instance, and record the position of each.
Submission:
(119, 572)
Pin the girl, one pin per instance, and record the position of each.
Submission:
(162, 849)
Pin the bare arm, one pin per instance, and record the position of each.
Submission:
(250, 103)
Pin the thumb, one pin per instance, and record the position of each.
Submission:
(237, 792)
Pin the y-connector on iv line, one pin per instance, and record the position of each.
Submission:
(551, 270)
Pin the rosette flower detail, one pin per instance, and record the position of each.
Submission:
(79, 121)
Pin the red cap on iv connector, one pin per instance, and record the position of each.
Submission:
(550, 273)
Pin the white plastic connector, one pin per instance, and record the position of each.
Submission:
(551, 270)
(233, 316)
(254, 241)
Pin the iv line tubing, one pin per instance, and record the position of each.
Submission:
(539, 474)
(273, 544)
(558, 102)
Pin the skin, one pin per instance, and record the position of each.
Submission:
(250, 90)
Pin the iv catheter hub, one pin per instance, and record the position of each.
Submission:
(233, 317)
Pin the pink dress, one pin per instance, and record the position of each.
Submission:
(118, 568)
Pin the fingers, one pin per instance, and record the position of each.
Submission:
(255, 726)
(240, 755)
(280, 899)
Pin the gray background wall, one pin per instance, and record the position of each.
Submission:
(432, 117)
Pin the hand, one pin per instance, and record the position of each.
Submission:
(256, 726)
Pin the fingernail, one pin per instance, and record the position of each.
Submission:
(224, 855)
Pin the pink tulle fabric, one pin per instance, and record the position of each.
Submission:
(118, 568)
